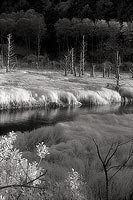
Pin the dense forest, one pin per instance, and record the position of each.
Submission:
(51, 27)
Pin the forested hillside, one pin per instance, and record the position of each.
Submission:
(53, 26)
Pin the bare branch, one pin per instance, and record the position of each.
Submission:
(98, 152)
(112, 167)
(130, 70)
(123, 164)
(19, 186)
(108, 152)
(115, 150)
(37, 177)
(24, 185)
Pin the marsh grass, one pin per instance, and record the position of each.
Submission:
(71, 146)
(17, 98)
(30, 89)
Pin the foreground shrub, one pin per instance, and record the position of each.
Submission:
(18, 177)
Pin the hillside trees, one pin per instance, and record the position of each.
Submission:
(27, 27)
(94, 9)
(11, 59)
(32, 26)
(64, 23)
(127, 32)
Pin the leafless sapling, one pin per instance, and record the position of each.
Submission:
(93, 70)
(2, 57)
(118, 63)
(80, 64)
(10, 54)
(110, 171)
(66, 64)
(73, 67)
(83, 55)
(72, 60)
(131, 70)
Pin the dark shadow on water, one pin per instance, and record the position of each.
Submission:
(29, 120)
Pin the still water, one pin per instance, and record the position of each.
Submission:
(29, 120)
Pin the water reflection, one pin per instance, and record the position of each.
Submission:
(32, 119)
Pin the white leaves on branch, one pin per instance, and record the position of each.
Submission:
(16, 170)
(42, 150)
(75, 183)
(11, 53)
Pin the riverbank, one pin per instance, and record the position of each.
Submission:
(29, 89)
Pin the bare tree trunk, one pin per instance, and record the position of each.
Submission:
(83, 55)
(104, 70)
(9, 51)
(2, 52)
(66, 65)
(80, 64)
(107, 159)
(2, 58)
(109, 71)
(106, 182)
(72, 61)
(93, 70)
(38, 49)
(131, 72)
(11, 54)
(117, 69)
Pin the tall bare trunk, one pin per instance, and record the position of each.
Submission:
(38, 50)
(83, 55)
(93, 70)
(9, 52)
(80, 64)
(72, 61)
(11, 58)
(118, 60)
(66, 65)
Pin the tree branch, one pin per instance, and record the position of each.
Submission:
(108, 153)
(115, 150)
(98, 152)
(24, 185)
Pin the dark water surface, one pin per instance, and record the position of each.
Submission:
(29, 120)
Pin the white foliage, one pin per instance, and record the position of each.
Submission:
(13, 97)
(67, 98)
(75, 183)
(42, 150)
(101, 97)
(16, 170)
(110, 95)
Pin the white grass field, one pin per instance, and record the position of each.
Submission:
(20, 89)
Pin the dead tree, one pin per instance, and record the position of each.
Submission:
(2, 57)
(83, 55)
(93, 70)
(131, 70)
(72, 60)
(11, 54)
(118, 63)
(73, 67)
(104, 70)
(80, 64)
(107, 160)
(38, 50)
(66, 64)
